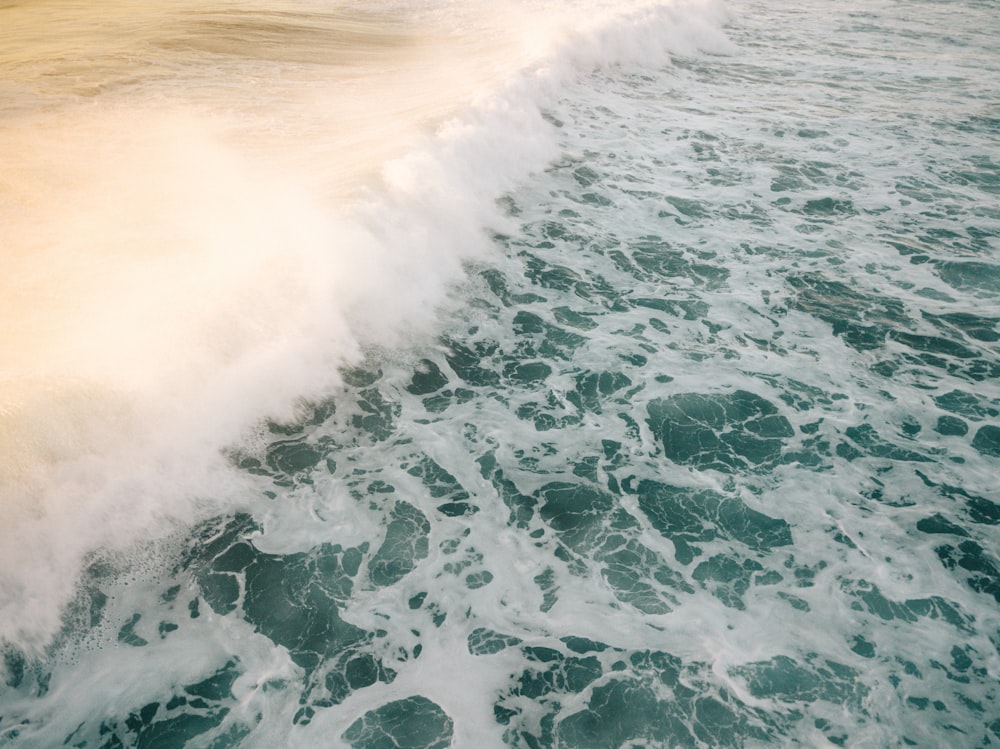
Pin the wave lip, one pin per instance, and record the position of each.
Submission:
(191, 252)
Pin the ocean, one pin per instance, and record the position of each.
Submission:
(580, 374)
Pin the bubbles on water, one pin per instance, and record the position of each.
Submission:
(678, 471)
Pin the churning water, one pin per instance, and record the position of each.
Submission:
(579, 374)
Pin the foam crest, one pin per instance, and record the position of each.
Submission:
(200, 233)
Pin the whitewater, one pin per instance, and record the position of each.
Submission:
(561, 374)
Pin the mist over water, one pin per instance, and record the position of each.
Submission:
(186, 234)
(546, 375)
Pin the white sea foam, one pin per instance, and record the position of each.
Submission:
(645, 136)
(190, 248)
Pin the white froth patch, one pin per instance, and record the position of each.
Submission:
(184, 261)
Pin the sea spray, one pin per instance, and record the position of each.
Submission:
(197, 275)
(699, 454)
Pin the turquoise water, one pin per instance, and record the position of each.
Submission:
(700, 451)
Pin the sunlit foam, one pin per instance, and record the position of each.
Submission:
(198, 230)
(180, 257)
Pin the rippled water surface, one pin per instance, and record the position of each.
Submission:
(703, 451)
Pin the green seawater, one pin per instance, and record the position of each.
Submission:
(706, 455)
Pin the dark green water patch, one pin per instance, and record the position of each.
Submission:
(829, 207)
(593, 388)
(689, 208)
(595, 532)
(691, 516)
(549, 341)
(295, 599)
(974, 326)
(310, 414)
(951, 426)
(687, 309)
(473, 364)
(966, 404)
(440, 401)
(216, 687)
(869, 598)
(657, 259)
(289, 462)
(727, 577)
(921, 364)
(575, 319)
(526, 374)
(522, 507)
(981, 172)
(632, 698)
(412, 723)
(636, 576)
(189, 718)
(800, 395)
(585, 176)
(292, 457)
(933, 345)
(127, 635)
(404, 545)
(863, 321)
(970, 276)
(484, 641)
(939, 524)
(979, 568)
(576, 511)
(987, 440)
(377, 414)
(561, 278)
(794, 176)
(724, 432)
(807, 681)
(979, 510)
(497, 283)
(440, 484)
(548, 414)
(924, 191)
(151, 728)
(427, 378)
(866, 442)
